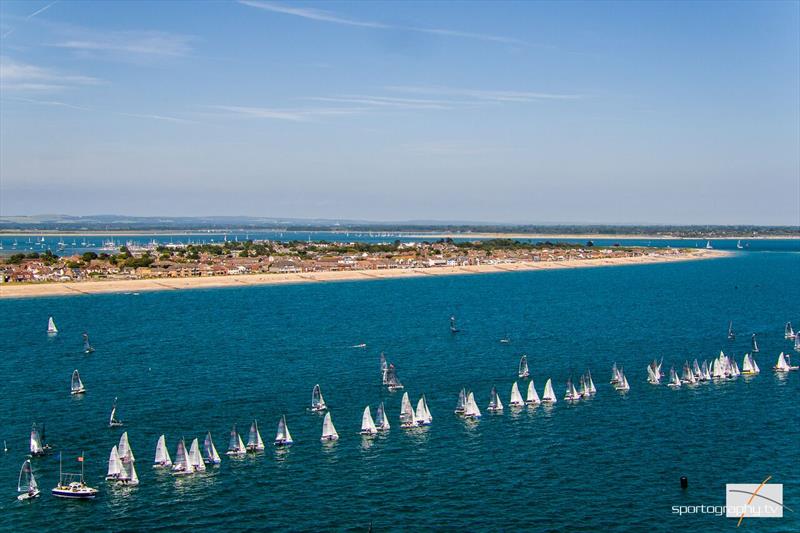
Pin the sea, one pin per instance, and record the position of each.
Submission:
(182, 363)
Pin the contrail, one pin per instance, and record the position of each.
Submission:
(45, 8)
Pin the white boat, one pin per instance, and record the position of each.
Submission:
(236, 447)
(571, 394)
(739, 245)
(783, 365)
(124, 447)
(533, 396)
(731, 333)
(210, 455)
(523, 367)
(453, 328)
(182, 466)
(162, 458)
(516, 398)
(381, 420)
(407, 418)
(505, 340)
(283, 437)
(615, 376)
(590, 383)
(367, 424)
(708, 245)
(422, 416)
(317, 401)
(749, 365)
(87, 348)
(254, 442)
(471, 410)
(788, 332)
(77, 385)
(706, 372)
(196, 458)
(112, 420)
(392, 382)
(688, 375)
(696, 371)
(26, 484)
(755, 344)
(674, 382)
(328, 430)
(72, 485)
(51, 326)
(495, 404)
(129, 476)
(653, 374)
(36, 447)
(384, 369)
(549, 394)
(797, 343)
(462, 402)
(582, 389)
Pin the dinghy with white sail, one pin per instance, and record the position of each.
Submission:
(87, 348)
(688, 375)
(755, 344)
(254, 442)
(196, 458)
(182, 466)
(128, 476)
(674, 381)
(162, 459)
(77, 385)
(749, 366)
(114, 465)
(516, 398)
(421, 415)
(236, 447)
(462, 402)
(407, 418)
(317, 401)
(571, 393)
(36, 447)
(783, 365)
(788, 332)
(328, 430)
(533, 396)
(51, 327)
(283, 437)
(549, 394)
(615, 375)
(124, 447)
(653, 376)
(367, 424)
(112, 420)
(471, 410)
(523, 367)
(384, 368)
(381, 420)
(731, 333)
(392, 381)
(590, 383)
(495, 404)
(210, 455)
(696, 371)
(26, 483)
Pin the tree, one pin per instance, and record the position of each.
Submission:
(88, 256)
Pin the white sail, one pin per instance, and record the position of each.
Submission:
(549, 394)
(392, 382)
(407, 418)
(51, 326)
(129, 473)
(788, 333)
(210, 454)
(747, 365)
(114, 465)
(652, 377)
(523, 367)
(571, 393)
(112, 419)
(381, 420)
(235, 445)
(420, 416)
(583, 391)
(125, 451)
(673, 378)
(428, 415)
(317, 401)
(181, 464)
(328, 429)
(516, 397)
(781, 365)
(615, 378)
(162, 458)
(533, 396)
(195, 458)
(625, 385)
(77, 385)
(495, 404)
(797, 343)
(367, 424)
(283, 437)
(36, 442)
(698, 374)
(756, 370)
(384, 368)
(462, 402)
(27, 482)
(471, 409)
(254, 442)
(755, 344)
(590, 383)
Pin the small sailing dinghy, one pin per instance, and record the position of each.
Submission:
(51, 327)
(462, 402)
(783, 365)
(26, 485)
(731, 333)
(453, 328)
(583, 390)
(72, 485)
(788, 332)
(495, 405)
(182, 466)
(615, 375)
(317, 401)
(283, 437)
(112, 420)
(125, 451)
(329, 432)
(688, 376)
(523, 367)
(533, 396)
(114, 465)
(592, 390)
(471, 410)
(36, 447)
(653, 374)
(706, 372)
(254, 442)
(210, 455)
(367, 424)
(384, 369)
(749, 365)
(739, 245)
(516, 398)
(674, 382)
(549, 394)
(162, 459)
(235, 445)
(696, 371)
(797, 343)
(391, 378)
(87, 348)
(195, 458)
(571, 394)
(622, 384)
(77, 385)
(407, 417)
(423, 415)
(708, 245)
(381, 420)
(755, 344)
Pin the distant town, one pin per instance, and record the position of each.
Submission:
(259, 257)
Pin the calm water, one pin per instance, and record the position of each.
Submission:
(183, 363)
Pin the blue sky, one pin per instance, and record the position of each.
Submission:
(599, 112)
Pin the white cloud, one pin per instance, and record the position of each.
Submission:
(294, 115)
(18, 76)
(135, 43)
(486, 95)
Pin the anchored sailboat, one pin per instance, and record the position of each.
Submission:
(523, 367)
(328, 430)
(236, 447)
(112, 420)
(381, 420)
(317, 401)
(283, 437)
(77, 385)
(210, 455)
(51, 326)
(254, 442)
(495, 405)
(162, 459)
(26, 484)
(533, 396)
(516, 398)
(549, 394)
(407, 417)
(367, 424)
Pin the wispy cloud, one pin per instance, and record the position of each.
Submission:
(486, 95)
(136, 43)
(294, 115)
(37, 12)
(386, 101)
(18, 76)
(151, 116)
(326, 16)
(58, 103)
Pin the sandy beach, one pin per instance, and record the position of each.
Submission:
(29, 290)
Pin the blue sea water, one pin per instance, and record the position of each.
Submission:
(185, 362)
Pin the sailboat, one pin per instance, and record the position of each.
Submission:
(381, 420)
(506, 339)
(516, 398)
(571, 394)
(254, 442)
(328, 430)
(739, 245)
(367, 424)
(622, 383)
(749, 365)
(688, 375)
(87, 348)
(125, 451)
(706, 372)
(423, 415)
(590, 383)
(407, 419)
(51, 327)
(182, 466)
(317, 401)
(162, 459)
(782, 365)
(195, 458)
(112, 420)
(653, 374)
(462, 402)
(77, 384)
(391, 378)
(788, 332)
(283, 437)
(26, 484)
(731, 333)
(696, 371)
(674, 382)
(797, 343)
(453, 328)
(235, 445)
(549, 394)
(523, 367)
(582, 390)
(384, 369)
(533, 396)
(755, 343)
(615, 377)
(471, 409)
(72, 485)
(495, 404)
(210, 455)
(708, 245)
(36, 447)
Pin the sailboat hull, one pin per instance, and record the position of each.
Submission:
(28, 495)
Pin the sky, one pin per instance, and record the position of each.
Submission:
(519, 112)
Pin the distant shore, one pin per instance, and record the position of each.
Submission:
(29, 290)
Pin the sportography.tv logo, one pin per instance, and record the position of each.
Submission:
(750, 500)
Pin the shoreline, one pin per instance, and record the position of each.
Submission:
(32, 290)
